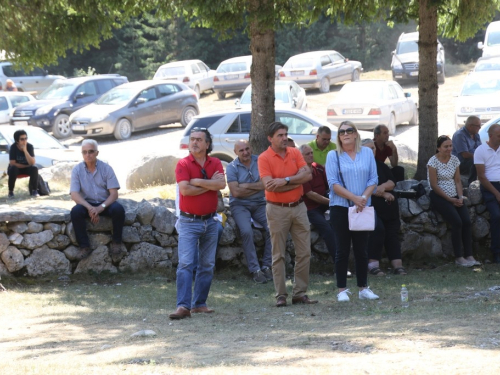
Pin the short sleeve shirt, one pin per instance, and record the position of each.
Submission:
(318, 184)
(238, 172)
(462, 142)
(273, 165)
(19, 156)
(383, 154)
(319, 156)
(188, 168)
(93, 186)
(445, 174)
(490, 159)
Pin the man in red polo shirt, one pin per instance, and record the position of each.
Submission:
(283, 170)
(199, 177)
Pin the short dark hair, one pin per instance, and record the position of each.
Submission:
(274, 127)
(18, 134)
(378, 129)
(324, 129)
(208, 137)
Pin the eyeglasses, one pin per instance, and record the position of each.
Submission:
(347, 131)
(204, 173)
(85, 152)
(23, 139)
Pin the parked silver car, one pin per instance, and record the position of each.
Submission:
(33, 82)
(9, 101)
(48, 150)
(487, 63)
(136, 106)
(320, 69)
(232, 75)
(373, 102)
(287, 94)
(193, 73)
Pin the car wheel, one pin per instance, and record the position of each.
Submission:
(355, 75)
(224, 159)
(123, 129)
(414, 118)
(392, 124)
(187, 114)
(221, 95)
(197, 91)
(325, 85)
(62, 127)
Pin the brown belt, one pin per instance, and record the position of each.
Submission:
(293, 204)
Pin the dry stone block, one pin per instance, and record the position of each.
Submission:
(152, 170)
(130, 235)
(17, 227)
(99, 239)
(314, 236)
(229, 253)
(320, 247)
(105, 224)
(3, 270)
(146, 256)
(474, 193)
(411, 242)
(70, 232)
(53, 227)
(34, 227)
(59, 242)
(44, 261)
(71, 252)
(13, 259)
(481, 227)
(145, 212)
(146, 234)
(98, 261)
(4, 242)
(164, 220)
(34, 240)
(25, 252)
(164, 239)
(228, 235)
(430, 247)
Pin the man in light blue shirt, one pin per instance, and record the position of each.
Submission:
(465, 142)
(247, 202)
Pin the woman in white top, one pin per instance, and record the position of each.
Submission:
(447, 199)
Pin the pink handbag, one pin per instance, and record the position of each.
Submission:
(361, 221)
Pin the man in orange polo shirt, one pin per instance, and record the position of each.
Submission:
(283, 170)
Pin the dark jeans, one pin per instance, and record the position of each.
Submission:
(31, 171)
(317, 218)
(386, 234)
(494, 210)
(461, 226)
(468, 168)
(398, 173)
(79, 215)
(343, 238)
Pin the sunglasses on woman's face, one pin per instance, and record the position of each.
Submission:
(347, 131)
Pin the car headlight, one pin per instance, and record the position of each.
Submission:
(466, 109)
(43, 110)
(397, 65)
(98, 118)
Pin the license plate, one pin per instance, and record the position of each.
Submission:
(297, 73)
(355, 111)
(78, 127)
(232, 76)
(414, 73)
(21, 123)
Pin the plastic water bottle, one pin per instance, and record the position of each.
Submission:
(404, 296)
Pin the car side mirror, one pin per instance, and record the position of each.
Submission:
(4, 148)
(393, 52)
(140, 101)
(407, 94)
(79, 95)
(480, 45)
(294, 101)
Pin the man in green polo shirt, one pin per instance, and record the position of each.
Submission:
(322, 145)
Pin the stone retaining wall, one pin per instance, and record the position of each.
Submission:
(42, 240)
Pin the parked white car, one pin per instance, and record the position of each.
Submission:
(491, 45)
(287, 94)
(33, 82)
(9, 101)
(373, 102)
(232, 75)
(193, 73)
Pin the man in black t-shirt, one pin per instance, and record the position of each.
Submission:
(22, 162)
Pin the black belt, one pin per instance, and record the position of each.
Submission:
(201, 217)
(293, 204)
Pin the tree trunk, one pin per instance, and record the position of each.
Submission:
(427, 86)
(262, 74)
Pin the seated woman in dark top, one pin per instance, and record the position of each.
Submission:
(387, 223)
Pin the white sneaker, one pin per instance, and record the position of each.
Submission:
(367, 294)
(343, 297)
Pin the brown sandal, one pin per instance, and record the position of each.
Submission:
(376, 272)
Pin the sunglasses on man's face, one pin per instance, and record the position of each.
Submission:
(23, 139)
(90, 152)
(347, 131)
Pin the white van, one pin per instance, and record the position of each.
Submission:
(491, 46)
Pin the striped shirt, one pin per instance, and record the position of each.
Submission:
(358, 174)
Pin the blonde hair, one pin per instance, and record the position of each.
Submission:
(357, 145)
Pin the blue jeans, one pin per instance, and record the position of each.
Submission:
(197, 238)
(242, 215)
(317, 218)
(494, 209)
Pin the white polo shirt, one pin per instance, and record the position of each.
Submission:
(484, 154)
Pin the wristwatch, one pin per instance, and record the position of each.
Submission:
(103, 205)
(287, 179)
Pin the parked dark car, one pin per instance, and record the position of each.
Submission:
(51, 112)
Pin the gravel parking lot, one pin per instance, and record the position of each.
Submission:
(123, 155)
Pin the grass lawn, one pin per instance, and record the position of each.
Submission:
(84, 326)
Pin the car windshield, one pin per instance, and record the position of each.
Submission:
(281, 95)
(39, 139)
(361, 92)
(170, 71)
(58, 90)
(487, 65)
(299, 63)
(408, 46)
(494, 38)
(118, 95)
(481, 86)
(232, 67)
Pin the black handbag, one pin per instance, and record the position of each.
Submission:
(416, 192)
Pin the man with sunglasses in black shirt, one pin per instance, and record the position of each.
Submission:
(22, 162)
